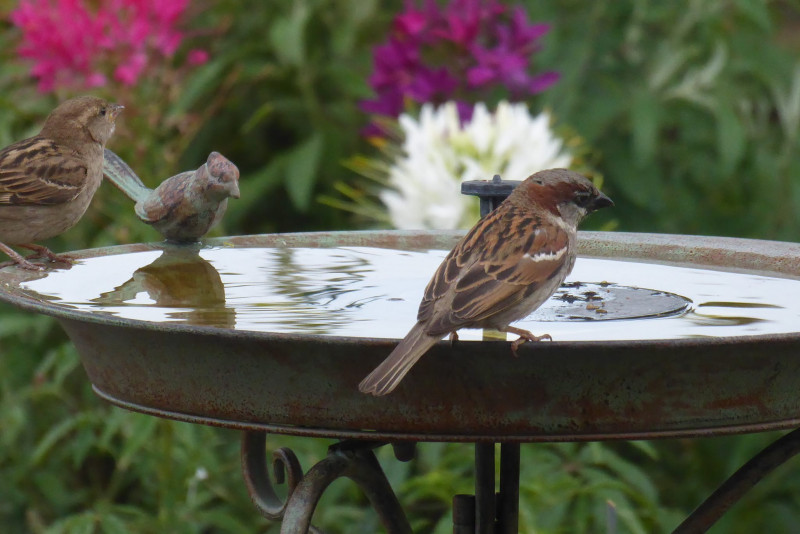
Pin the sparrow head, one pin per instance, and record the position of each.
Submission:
(82, 119)
(562, 192)
(223, 176)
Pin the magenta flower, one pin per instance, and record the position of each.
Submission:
(78, 43)
(197, 56)
(462, 51)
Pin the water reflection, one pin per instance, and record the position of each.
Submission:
(303, 290)
(181, 280)
(370, 292)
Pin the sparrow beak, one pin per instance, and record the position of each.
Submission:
(601, 201)
(113, 111)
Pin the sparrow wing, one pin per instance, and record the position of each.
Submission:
(463, 254)
(498, 264)
(40, 171)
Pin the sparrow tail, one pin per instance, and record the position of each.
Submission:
(384, 378)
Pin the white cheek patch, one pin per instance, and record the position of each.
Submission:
(545, 256)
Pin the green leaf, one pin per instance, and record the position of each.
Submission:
(756, 11)
(645, 117)
(111, 524)
(254, 187)
(257, 117)
(731, 139)
(353, 16)
(83, 523)
(58, 432)
(198, 85)
(288, 35)
(142, 432)
(301, 169)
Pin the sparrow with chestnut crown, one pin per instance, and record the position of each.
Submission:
(504, 268)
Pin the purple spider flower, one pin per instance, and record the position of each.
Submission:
(461, 51)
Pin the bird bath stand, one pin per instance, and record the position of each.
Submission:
(655, 336)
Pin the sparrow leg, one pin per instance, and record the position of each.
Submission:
(44, 252)
(524, 336)
(19, 260)
(453, 339)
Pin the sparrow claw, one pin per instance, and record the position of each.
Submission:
(16, 259)
(23, 264)
(31, 266)
(40, 251)
(453, 339)
(524, 336)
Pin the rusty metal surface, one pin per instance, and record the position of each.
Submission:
(306, 384)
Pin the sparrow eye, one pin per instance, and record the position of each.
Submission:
(583, 198)
(103, 111)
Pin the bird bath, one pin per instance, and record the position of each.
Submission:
(654, 336)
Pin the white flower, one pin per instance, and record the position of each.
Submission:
(439, 153)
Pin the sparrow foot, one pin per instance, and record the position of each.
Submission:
(16, 259)
(40, 251)
(524, 336)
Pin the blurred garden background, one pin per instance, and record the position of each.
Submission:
(688, 112)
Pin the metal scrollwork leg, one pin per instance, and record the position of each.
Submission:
(256, 474)
(354, 460)
(739, 483)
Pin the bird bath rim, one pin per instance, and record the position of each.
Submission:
(770, 258)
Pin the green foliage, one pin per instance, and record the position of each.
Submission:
(692, 112)
(290, 114)
(693, 106)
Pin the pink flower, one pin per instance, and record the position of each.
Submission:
(197, 56)
(76, 43)
(129, 72)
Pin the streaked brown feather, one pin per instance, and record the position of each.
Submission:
(39, 171)
(495, 272)
(384, 378)
(452, 265)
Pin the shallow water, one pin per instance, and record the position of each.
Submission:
(372, 292)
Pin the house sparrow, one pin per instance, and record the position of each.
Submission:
(184, 207)
(504, 268)
(47, 181)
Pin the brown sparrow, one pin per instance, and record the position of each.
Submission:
(504, 268)
(47, 181)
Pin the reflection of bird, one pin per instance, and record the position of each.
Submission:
(184, 207)
(506, 266)
(180, 278)
(47, 181)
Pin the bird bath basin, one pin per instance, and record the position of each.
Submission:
(655, 335)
